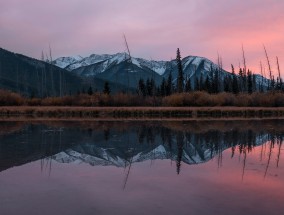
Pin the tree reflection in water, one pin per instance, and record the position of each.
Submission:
(124, 143)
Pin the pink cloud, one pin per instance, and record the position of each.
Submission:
(153, 28)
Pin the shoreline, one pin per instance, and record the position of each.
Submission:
(139, 113)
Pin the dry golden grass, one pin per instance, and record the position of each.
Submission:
(193, 99)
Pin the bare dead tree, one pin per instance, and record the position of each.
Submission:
(43, 77)
(60, 86)
(268, 63)
(244, 59)
(38, 81)
(219, 70)
(244, 164)
(279, 73)
(219, 62)
(261, 152)
(17, 78)
(130, 164)
(279, 141)
(51, 72)
(63, 85)
(262, 75)
(261, 68)
(154, 87)
(264, 72)
(269, 157)
(42, 59)
(278, 68)
(129, 59)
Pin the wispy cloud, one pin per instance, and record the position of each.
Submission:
(154, 28)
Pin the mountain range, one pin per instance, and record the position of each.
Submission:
(68, 75)
(127, 70)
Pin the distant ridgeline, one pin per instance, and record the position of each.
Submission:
(122, 73)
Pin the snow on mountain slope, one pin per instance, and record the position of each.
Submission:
(72, 63)
(157, 66)
(63, 62)
(197, 61)
(191, 154)
(103, 159)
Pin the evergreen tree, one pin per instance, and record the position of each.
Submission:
(106, 88)
(226, 84)
(169, 85)
(272, 84)
(180, 78)
(141, 87)
(153, 84)
(163, 87)
(279, 84)
(235, 85)
(201, 83)
(207, 85)
(90, 91)
(188, 85)
(210, 79)
(196, 84)
(158, 91)
(254, 83)
(249, 82)
(216, 83)
(245, 82)
(233, 69)
(149, 87)
(180, 143)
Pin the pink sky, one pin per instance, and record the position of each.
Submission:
(154, 28)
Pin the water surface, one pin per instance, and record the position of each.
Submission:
(208, 167)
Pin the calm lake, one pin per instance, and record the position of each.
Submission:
(145, 167)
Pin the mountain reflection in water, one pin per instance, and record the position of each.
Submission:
(206, 167)
(122, 143)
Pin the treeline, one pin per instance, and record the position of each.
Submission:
(214, 88)
(216, 81)
(192, 99)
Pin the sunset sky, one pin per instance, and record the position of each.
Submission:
(154, 28)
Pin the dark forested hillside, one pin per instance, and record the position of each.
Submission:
(32, 77)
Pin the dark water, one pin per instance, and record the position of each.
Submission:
(209, 167)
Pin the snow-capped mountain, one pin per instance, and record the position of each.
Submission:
(63, 62)
(160, 67)
(126, 71)
(120, 68)
(72, 63)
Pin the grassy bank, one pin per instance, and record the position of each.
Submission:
(140, 112)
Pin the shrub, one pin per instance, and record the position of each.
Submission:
(174, 100)
(9, 98)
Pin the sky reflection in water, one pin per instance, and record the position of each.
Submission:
(142, 168)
